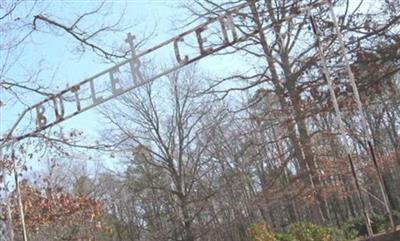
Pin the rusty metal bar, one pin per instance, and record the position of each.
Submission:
(364, 123)
(339, 119)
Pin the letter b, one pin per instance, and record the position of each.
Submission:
(41, 119)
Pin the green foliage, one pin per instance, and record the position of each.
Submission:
(297, 232)
(262, 232)
(354, 228)
(380, 223)
(312, 232)
(284, 237)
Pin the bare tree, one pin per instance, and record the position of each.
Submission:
(171, 127)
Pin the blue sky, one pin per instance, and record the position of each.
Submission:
(55, 53)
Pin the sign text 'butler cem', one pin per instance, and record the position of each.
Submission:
(234, 26)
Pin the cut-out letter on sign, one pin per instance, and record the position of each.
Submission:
(95, 99)
(135, 70)
(201, 41)
(58, 107)
(75, 89)
(177, 52)
(41, 119)
(115, 80)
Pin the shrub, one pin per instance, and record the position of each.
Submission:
(284, 237)
(354, 228)
(380, 223)
(312, 232)
(297, 232)
(262, 232)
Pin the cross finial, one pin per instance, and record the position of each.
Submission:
(130, 38)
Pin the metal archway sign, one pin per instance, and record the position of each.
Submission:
(56, 109)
